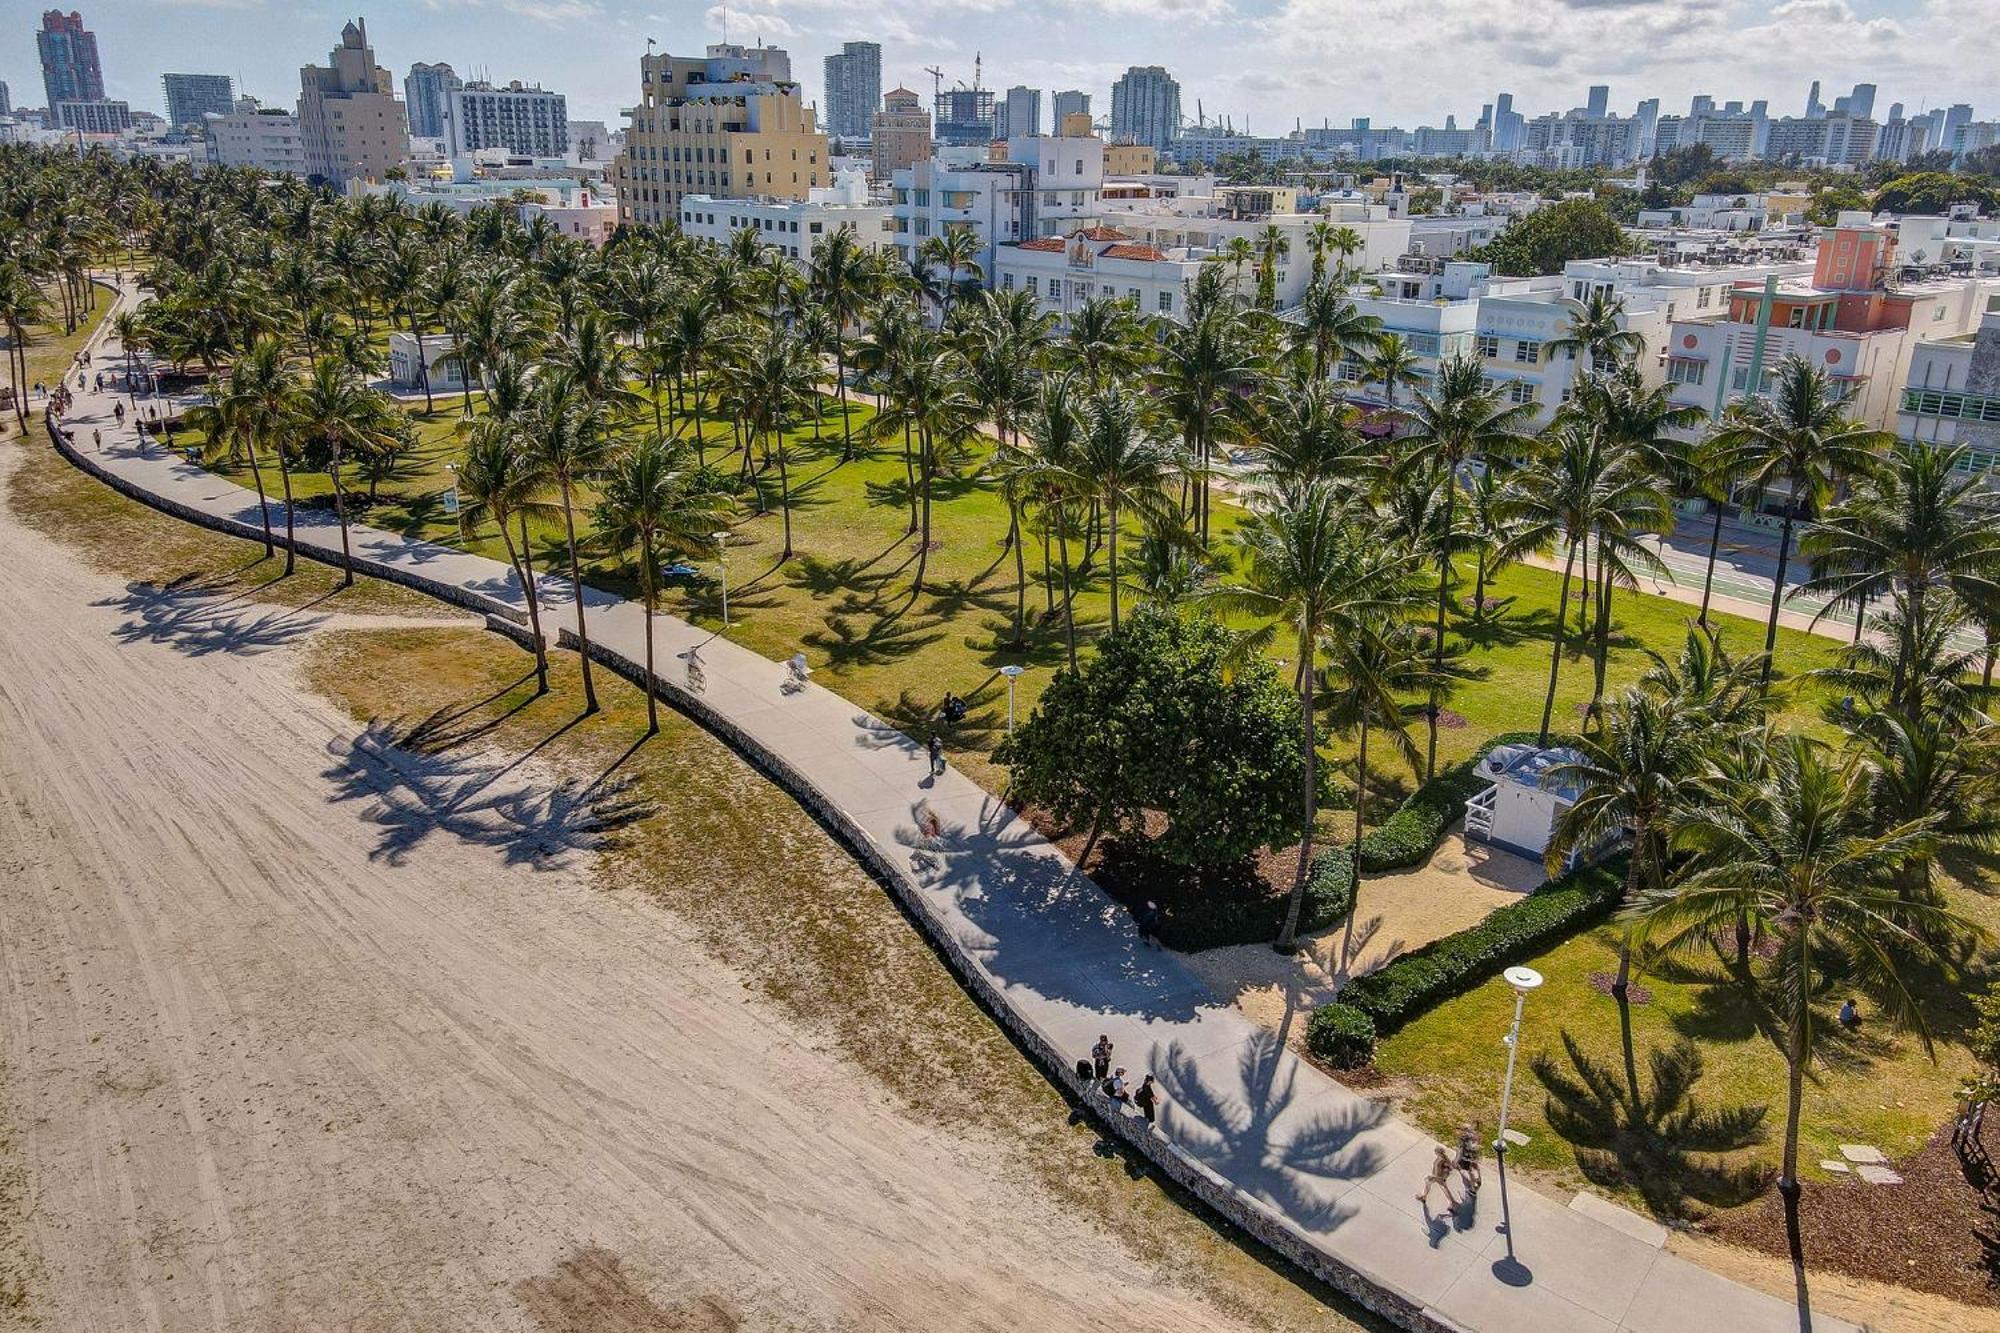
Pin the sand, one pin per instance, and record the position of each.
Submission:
(1457, 887)
(276, 1060)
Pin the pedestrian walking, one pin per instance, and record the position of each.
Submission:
(1440, 1175)
(1468, 1158)
(119, 412)
(1119, 1093)
(100, 381)
(97, 441)
(1147, 1100)
(1149, 924)
(937, 755)
(1100, 1056)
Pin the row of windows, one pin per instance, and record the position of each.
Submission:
(1955, 406)
(1528, 353)
(1680, 371)
(1082, 291)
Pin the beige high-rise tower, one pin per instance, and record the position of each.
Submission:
(350, 122)
(902, 134)
(729, 124)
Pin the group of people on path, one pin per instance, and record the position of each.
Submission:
(1111, 1079)
(1465, 1165)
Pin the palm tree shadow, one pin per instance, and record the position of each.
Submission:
(1659, 1139)
(417, 789)
(191, 614)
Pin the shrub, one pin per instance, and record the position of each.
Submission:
(1212, 909)
(1411, 834)
(1455, 964)
(1341, 1035)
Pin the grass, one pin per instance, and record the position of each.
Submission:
(50, 351)
(846, 597)
(1877, 1087)
(772, 895)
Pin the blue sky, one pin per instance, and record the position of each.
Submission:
(1264, 61)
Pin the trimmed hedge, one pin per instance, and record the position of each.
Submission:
(1409, 836)
(1341, 1035)
(1455, 964)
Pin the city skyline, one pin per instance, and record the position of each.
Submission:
(1302, 61)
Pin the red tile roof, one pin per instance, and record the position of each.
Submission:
(1104, 234)
(1134, 252)
(1056, 244)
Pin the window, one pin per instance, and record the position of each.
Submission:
(1489, 347)
(1034, 285)
(1079, 166)
(1006, 282)
(1701, 299)
(1133, 294)
(1954, 406)
(1521, 391)
(1166, 303)
(1528, 353)
(1683, 371)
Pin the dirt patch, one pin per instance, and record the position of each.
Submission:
(1938, 1231)
(590, 1293)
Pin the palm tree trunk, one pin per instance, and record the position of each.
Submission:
(1069, 597)
(1583, 611)
(784, 493)
(1555, 652)
(1708, 577)
(340, 512)
(534, 610)
(1437, 646)
(1777, 593)
(1309, 804)
(924, 484)
(1788, 1177)
(910, 477)
(1111, 530)
(1603, 654)
(263, 505)
(576, 583)
(1048, 573)
(652, 685)
(840, 387)
(1020, 574)
(1354, 855)
(291, 538)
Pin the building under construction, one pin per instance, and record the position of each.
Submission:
(964, 116)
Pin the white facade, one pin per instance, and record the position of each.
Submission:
(407, 373)
(103, 116)
(263, 140)
(1522, 809)
(1951, 393)
(588, 213)
(1062, 273)
(526, 122)
(794, 228)
(1048, 186)
(1197, 222)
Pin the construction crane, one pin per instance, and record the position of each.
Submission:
(937, 82)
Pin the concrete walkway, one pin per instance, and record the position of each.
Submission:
(1323, 1174)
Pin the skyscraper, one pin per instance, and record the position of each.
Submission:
(1955, 119)
(526, 122)
(1600, 101)
(1861, 102)
(853, 89)
(350, 122)
(192, 96)
(1509, 125)
(6, 100)
(1648, 116)
(1146, 107)
(901, 136)
(427, 91)
(1070, 102)
(70, 72)
(1018, 114)
(1813, 107)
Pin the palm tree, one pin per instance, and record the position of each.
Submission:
(777, 378)
(1327, 326)
(337, 416)
(1596, 335)
(842, 283)
(571, 443)
(253, 407)
(498, 481)
(1800, 436)
(1711, 475)
(22, 304)
(1124, 466)
(1272, 246)
(1393, 362)
(1309, 434)
(932, 401)
(1454, 421)
(1055, 426)
(1202, 366)
(956, 251)
(1105, 338)
(648, 504)
(1796, 848)
(1312, 571)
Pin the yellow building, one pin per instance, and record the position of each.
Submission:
(351, 126)
(1129, 159)
(729, 125)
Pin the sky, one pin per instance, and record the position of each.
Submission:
(1265, 64)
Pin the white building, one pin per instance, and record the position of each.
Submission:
(794, 227)
(525, 121)
(266, 140)
(102, 116)
(1522, 808)
(445, 370)
(1047, 186)
(1206, 223)
(584, 212)
(1951, 392)
(1102, 261)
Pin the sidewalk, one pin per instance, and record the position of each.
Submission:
(1321, 1173)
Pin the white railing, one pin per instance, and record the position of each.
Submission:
(1479, 814)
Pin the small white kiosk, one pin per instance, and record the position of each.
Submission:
(1520, 810)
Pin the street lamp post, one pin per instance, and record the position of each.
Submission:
(1012, 673)
(722, 561)
(1523, 980)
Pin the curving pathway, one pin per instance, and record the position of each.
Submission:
(1323, 1174)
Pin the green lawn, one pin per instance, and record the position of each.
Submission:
(1877, 1087)
(50, 351)
(845, 597)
